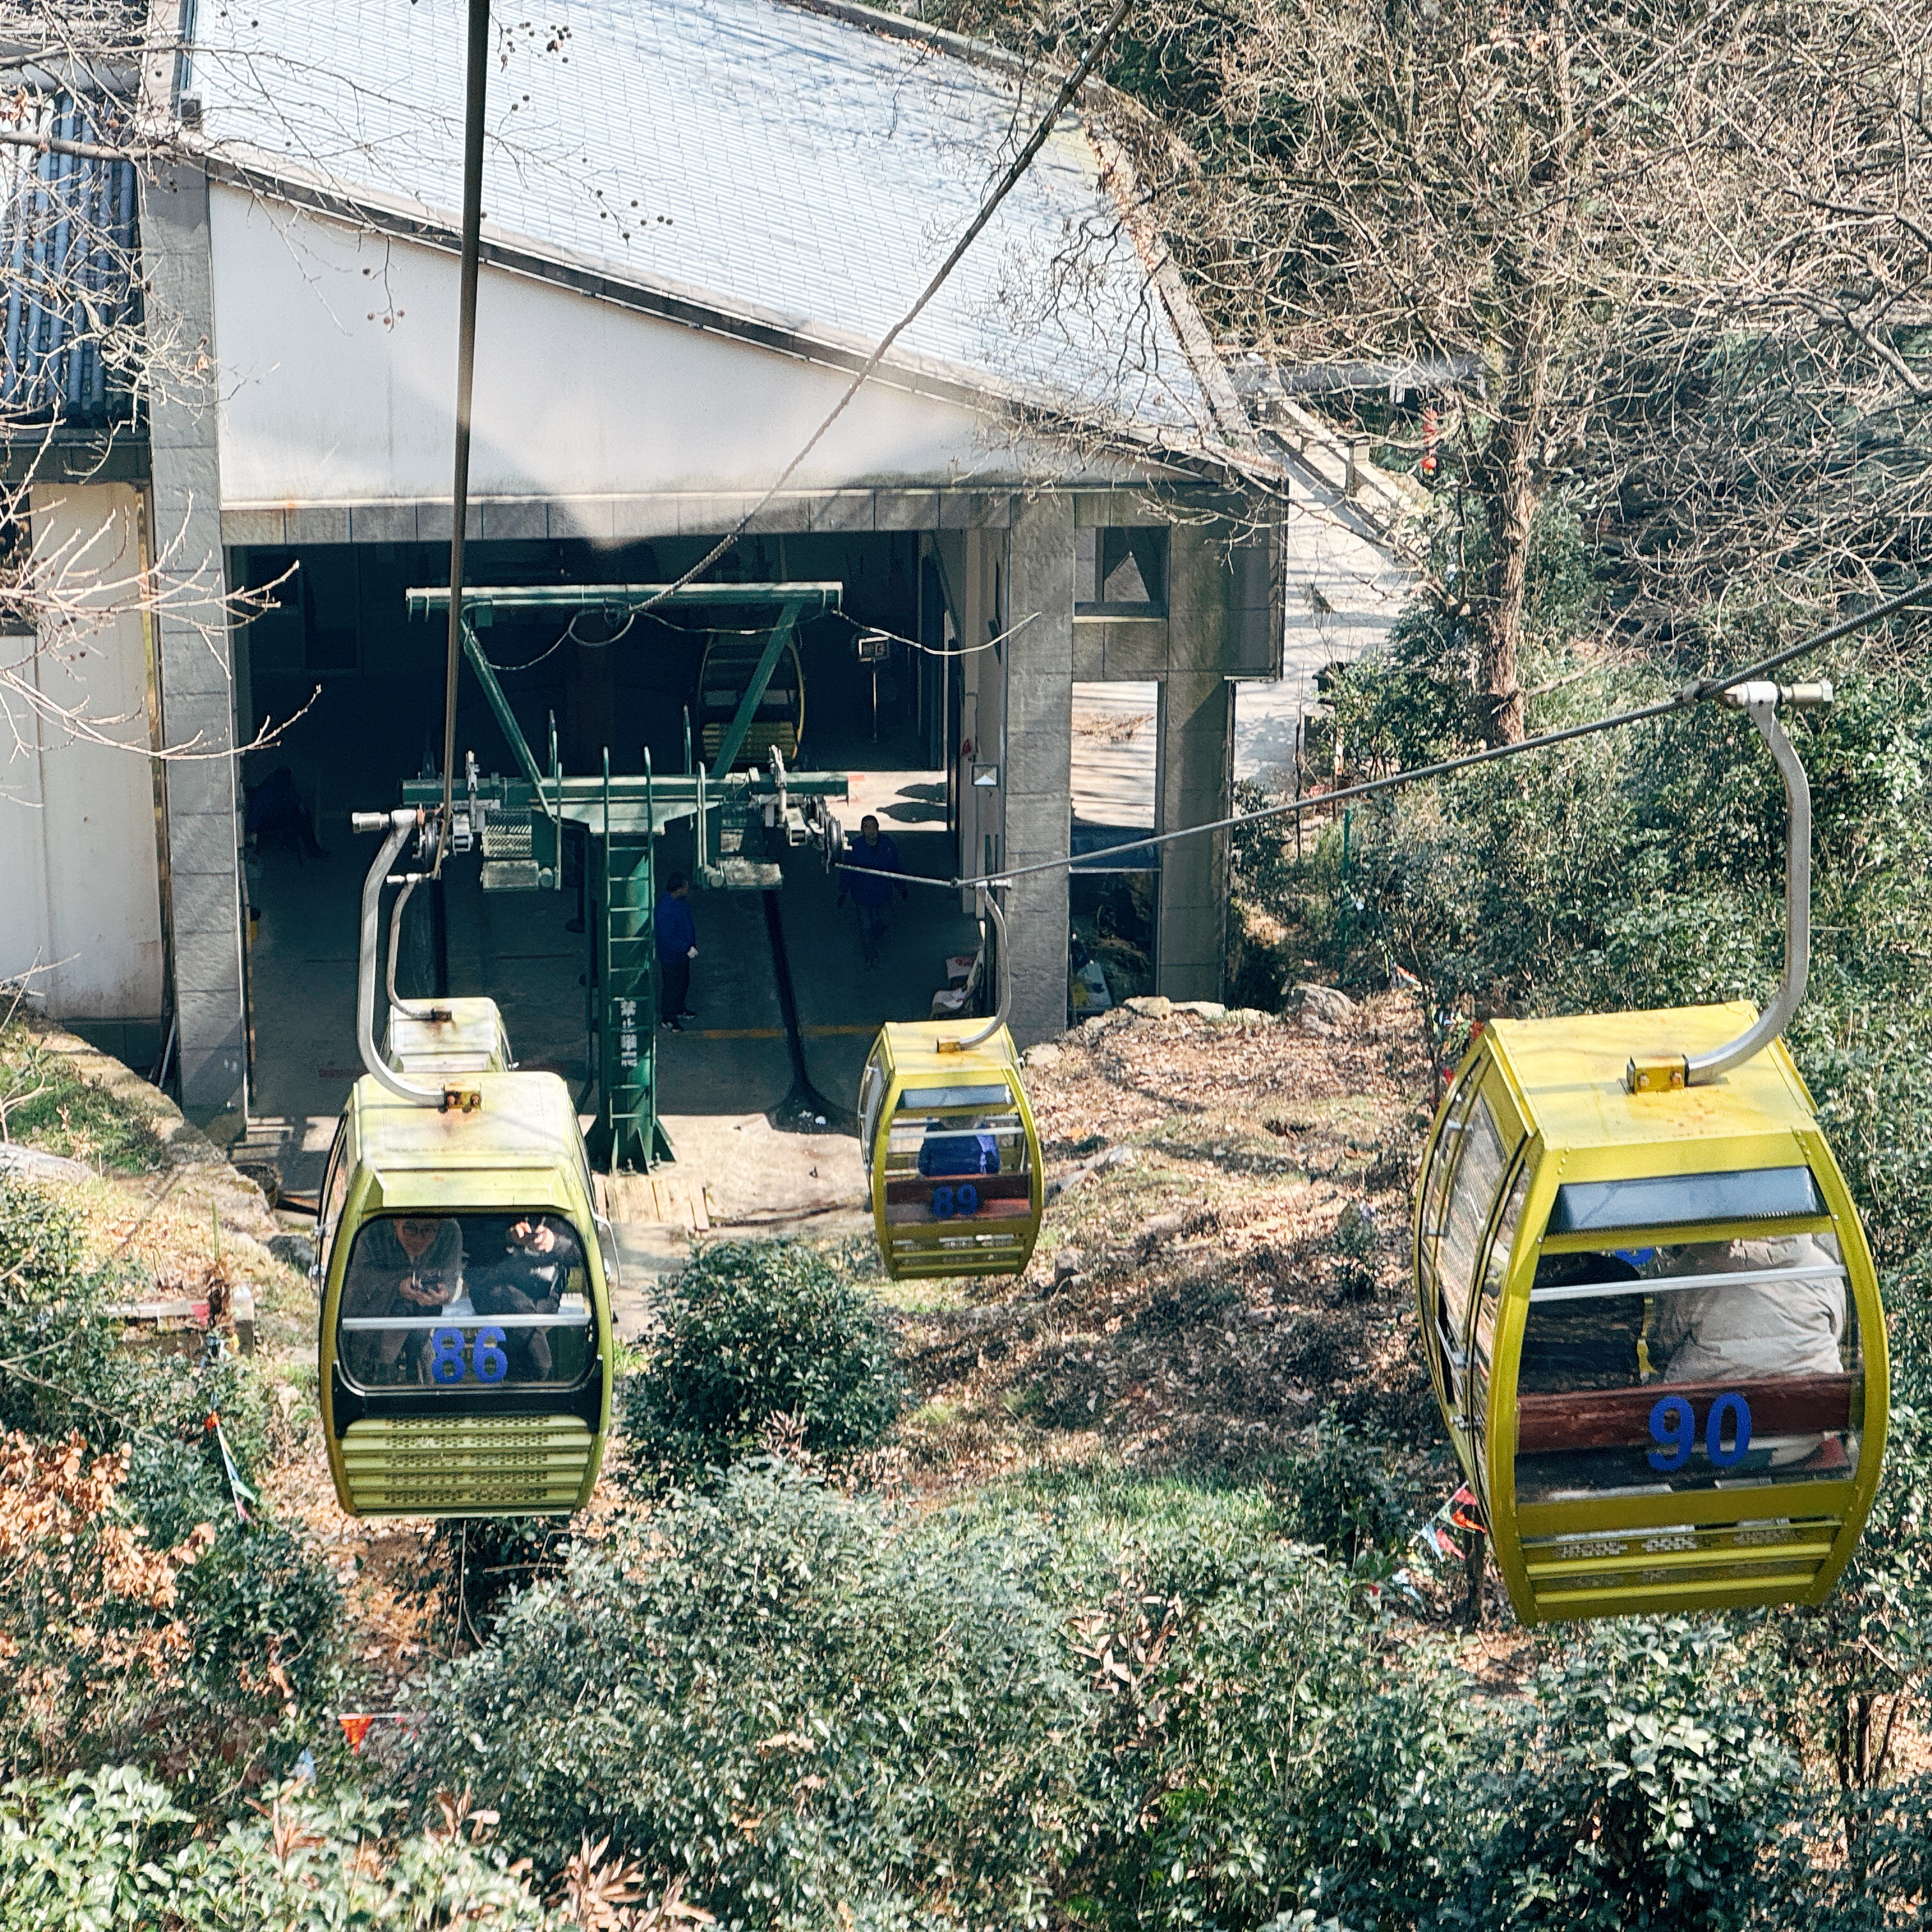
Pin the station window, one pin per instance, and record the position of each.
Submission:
(466, 1304)
(1120, 571)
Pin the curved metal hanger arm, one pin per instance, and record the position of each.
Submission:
(989, 905)
(398, 824)
(1759, 700)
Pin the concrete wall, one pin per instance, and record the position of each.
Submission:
(81, 906)
(193, 644)
(338, 372)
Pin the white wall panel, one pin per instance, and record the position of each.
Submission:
(82, 896)
(338, 359)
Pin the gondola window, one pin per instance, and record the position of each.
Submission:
(1728, 1361)
(956, 1154)
(469, 1303)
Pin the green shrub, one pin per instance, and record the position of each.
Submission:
(1643, 1785)
(41, 1241)
(1265, 1750)
(759, 1330)
(793, 1698)
(232, 1648)
(112, 1850)
(1342, 1499)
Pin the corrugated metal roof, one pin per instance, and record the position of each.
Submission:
(69, 296)
(767, 155)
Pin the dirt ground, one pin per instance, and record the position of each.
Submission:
(1193, 1299)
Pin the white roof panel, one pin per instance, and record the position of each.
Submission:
(792, 165)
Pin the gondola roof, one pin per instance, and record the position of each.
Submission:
(525, 1119)
(1567, 1076)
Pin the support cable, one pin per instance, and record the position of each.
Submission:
(1698, 692)
(477, 81)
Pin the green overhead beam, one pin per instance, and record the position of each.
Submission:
(811, 598)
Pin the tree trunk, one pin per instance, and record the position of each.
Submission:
(1510, 497)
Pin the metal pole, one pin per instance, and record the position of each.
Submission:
(477, 85)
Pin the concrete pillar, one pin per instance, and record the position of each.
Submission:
(1196, 765)
(193, 646)
(1039, 771)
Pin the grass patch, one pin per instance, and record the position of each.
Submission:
(44, 1103)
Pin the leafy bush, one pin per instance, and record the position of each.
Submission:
(1343, 1500)
(1263, 1750)
(111, 1849)
(759, 1330)
(792, 1699)
(117, 1646)
(40, 1241)
(1643, 1786)
(93, 1646)
(147, 1622)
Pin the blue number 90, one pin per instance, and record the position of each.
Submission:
(1672, 1424)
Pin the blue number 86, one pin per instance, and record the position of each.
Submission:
(487, 1362)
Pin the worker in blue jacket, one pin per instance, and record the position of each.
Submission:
(677, 947)
(866, 878)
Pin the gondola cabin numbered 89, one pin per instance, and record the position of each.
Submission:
(466, 1356)
(953, 1152)
(1651, 1319)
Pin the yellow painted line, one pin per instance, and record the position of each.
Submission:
(778, 1032)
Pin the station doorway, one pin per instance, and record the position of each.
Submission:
(1113, 890)
(339, 629)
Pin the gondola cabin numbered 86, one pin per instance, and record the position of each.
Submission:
(953, 1152)
(1651, 1319)
(466, 1358)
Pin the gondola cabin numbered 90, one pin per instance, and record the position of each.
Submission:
(954, 1155)
(1651, 1319)
(465, 1356)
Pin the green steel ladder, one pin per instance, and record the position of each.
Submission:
(627, 999)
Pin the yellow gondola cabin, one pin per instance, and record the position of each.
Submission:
(466, 1356)
(1651, 1318)
(464, 1274)
(953, 1152)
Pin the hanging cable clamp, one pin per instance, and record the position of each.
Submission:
(1817, 696)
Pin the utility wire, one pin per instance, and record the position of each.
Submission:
(1697, 692)
(1008, 181)
(476, 85)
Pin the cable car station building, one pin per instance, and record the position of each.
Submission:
(700, 217)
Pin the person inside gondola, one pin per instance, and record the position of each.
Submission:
(1589, 1343)
(529, 1278)
(1748, 1330)
(407, 1267)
